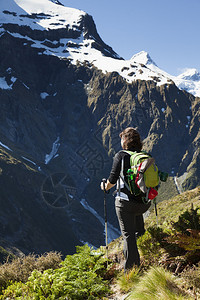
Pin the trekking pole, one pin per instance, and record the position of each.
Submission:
(156, 211)
(105, 216)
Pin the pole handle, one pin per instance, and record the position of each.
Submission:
(104, 184)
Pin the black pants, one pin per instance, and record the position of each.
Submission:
(130, 219)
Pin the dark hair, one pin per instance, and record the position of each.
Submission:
(132, 140)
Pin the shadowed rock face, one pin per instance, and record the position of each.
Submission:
(61, 123)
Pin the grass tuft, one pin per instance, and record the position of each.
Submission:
(127, 280)
(158, 284)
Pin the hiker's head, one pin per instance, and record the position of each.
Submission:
(130, 139)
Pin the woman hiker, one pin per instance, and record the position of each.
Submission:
(129, 208)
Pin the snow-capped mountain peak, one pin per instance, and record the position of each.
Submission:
(53, 28)
(188, 81)
(39, 14)
(190, 74)
(143, 57)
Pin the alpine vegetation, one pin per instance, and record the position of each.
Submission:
(65, 97)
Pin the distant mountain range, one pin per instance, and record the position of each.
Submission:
(65, 96)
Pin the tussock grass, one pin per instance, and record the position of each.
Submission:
(158, 284)
(127, 280)
(191, 276)
(21, 268)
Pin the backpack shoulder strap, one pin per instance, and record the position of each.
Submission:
(136, 156)
(121, 176)
(129, 152)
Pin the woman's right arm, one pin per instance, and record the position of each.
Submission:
(116, 168)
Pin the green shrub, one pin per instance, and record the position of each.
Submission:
(149, 244)
(189, 219)
(17, 290)
(81, 276)
(186, 235)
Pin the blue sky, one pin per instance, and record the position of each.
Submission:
(168, 30)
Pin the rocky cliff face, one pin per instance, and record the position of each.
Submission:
(59, 129)
(164, 115)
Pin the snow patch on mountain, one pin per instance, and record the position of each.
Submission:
(4, 85)
(4, 146)
(32, 162)
(54, 150)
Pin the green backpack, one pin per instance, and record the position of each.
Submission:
(143, 177)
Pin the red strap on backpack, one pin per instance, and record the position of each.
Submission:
(138, 173)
